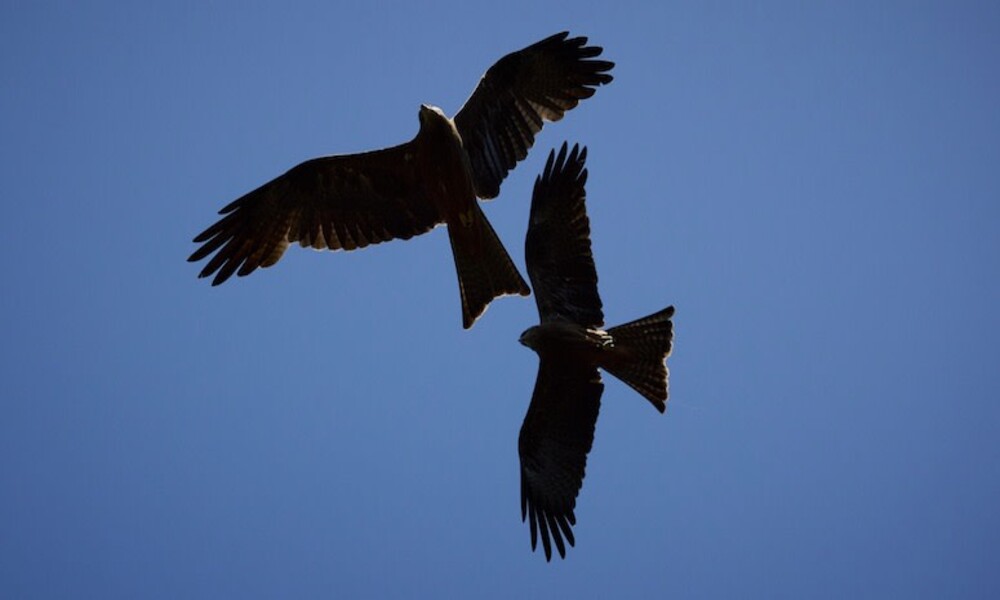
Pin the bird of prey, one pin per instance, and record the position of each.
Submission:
(558, 429)
(353, 200)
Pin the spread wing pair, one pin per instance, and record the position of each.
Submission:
(351, 201)
(558, 429)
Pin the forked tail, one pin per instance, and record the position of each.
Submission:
(641, 349)
(485, 270)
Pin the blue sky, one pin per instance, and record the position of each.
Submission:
(814, 186)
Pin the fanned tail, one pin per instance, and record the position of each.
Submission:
(641, 349)
(485, 270)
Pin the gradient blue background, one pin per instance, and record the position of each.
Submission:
(816, 189)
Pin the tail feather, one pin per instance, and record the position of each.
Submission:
(641, 349)
(485, 270)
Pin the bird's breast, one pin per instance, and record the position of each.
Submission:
(568, 341)
(447, 172)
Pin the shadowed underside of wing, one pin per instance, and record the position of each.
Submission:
(556, 436)
(517, 94)
(557, 247)
(335, 202)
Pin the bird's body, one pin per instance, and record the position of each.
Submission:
(444, 174)
(485, 270)
(353, 200)
(558, 429)
(560, 339)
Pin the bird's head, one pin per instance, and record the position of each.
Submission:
(429, 111)
(529, 338)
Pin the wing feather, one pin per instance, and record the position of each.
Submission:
(556, 436)
(557, 247)
(499, 121)
(334, 202)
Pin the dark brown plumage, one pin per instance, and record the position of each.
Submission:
(558, 430)
(351, 201)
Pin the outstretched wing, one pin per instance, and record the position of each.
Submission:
(539, 83)
(556, 436)
(336, 202)
(557, 247)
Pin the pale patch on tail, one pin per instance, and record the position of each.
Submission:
(485, 270)
(641, 348)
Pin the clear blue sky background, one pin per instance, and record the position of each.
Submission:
(816, 188)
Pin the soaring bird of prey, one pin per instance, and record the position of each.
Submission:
(558, 429)
(353, 200)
